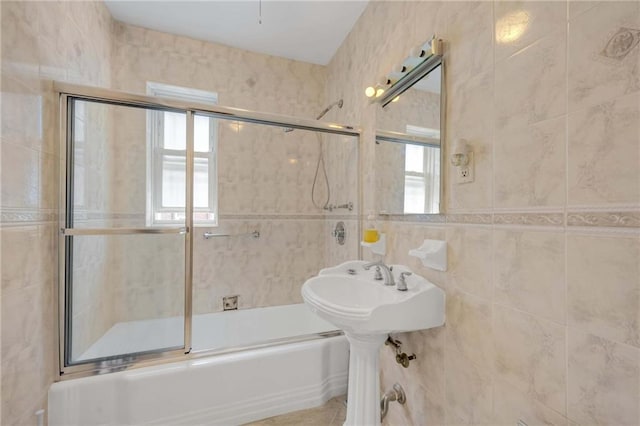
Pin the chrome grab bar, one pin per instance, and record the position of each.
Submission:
(121, 231)
(254, 234)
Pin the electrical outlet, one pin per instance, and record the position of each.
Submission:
(464, 174)
(230, 303)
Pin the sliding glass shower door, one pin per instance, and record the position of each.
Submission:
(125, 239)
(138, 173)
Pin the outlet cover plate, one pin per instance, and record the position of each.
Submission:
(465, 174)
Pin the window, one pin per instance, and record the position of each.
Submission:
(166, 176)
(422, 173)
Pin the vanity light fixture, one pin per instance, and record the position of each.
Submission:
(420, 62)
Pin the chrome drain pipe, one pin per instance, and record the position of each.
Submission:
(396, 394)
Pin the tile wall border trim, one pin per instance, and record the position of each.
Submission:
(604, 219)
(554, 219)
(536, 219)
(17, 217)
(10, 216)
(621, 218)
(470, 218)
(226, 216)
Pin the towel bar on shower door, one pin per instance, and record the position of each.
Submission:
(254, 234)
(121, 231)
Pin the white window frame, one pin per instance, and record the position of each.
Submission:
(156, 151)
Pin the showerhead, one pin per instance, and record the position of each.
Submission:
(324, 112)
(339, 103)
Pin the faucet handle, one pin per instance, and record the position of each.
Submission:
(402, 285)
(378, 274)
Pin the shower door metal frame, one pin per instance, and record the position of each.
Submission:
(67, 229)
(66, 92)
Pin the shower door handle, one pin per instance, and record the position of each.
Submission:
(122, 231)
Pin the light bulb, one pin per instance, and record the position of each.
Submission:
(369, 92)
(379, 92)
(396, 99)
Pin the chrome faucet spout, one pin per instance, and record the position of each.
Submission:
(386, 271)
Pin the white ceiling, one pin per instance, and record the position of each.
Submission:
(304, 30)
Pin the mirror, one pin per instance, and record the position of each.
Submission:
(408, 148)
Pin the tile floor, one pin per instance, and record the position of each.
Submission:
(332, 413)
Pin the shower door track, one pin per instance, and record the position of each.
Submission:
(67, 91)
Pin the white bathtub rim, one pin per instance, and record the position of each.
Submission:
(256, 405)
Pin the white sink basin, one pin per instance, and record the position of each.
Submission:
(349, 297)
(360, 304)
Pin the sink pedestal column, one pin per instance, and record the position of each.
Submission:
(363, 401)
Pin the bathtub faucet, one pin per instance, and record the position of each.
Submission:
(386, 271)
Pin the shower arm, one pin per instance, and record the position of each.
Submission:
(324, 112)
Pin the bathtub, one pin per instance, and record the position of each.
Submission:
(222, 389)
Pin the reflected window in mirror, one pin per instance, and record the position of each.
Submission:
(421, 175)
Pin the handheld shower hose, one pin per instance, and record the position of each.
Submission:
(339, 104)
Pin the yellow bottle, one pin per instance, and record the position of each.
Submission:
(371, 234)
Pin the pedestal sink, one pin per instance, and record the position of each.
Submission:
(366, 310)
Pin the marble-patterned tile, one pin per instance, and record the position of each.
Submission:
(429, 347)
(530, 356)
(531, 85)
(469, 39)
(49, 181)
(603, 56)
(469, 330)
(26, 254)
(511, 405)
(470, 107)
(518, 24)
(272, 280)
(603, 282)
(421, 407)
(27, 351)
(21, 168)
(529, 272)
(530, 165)
(470, 260)
(577, 7)
(19, 41)
(604, 152)
(469, 397)
(604, 381)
